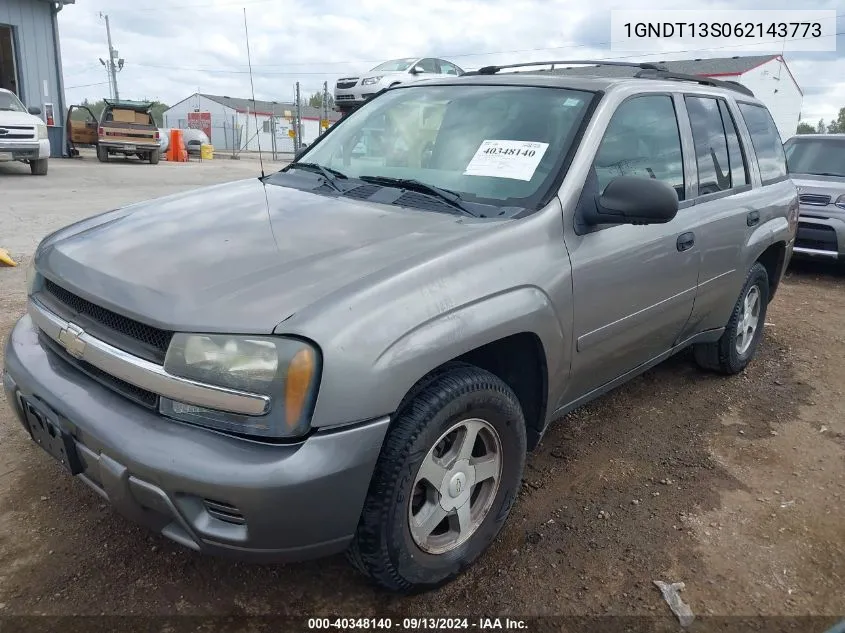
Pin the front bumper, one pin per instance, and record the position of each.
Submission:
(279, 502)
(820, 237)
(25, 150)
(351, 97)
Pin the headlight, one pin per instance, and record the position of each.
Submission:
(286, 370)
(369, 81)
(42, 132)
(840, 202)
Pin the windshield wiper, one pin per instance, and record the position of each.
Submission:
(449, 197)
(330, 175)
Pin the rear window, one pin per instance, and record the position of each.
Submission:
(766, 141)
(818, 156)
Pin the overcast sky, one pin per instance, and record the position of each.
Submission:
(174, 48)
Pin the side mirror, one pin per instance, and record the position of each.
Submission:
(34, 110)
(417, 70)
(635, 200)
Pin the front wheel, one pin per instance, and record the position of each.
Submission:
(449, 471)
(38, 167)
(738, 344)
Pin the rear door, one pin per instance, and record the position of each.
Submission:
(82, 125)
(633, 286)
(725, 209)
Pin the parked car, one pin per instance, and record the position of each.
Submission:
(23, 135)
(356, 352)
(351, 92)
(163, 140)
(123, 127)
(817, 165)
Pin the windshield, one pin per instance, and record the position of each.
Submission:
(490, 144)
(816, 156)
(8, 101)
(396, 65)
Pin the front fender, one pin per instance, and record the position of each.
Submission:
(378, 389)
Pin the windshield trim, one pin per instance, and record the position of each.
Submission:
(548, 189)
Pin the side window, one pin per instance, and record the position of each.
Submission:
(739, 168)
(717, 150)
(429, 65)
(766, 141)
(447, 69)
(642, 139)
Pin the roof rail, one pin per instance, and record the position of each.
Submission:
(649, 73)
(492, 70)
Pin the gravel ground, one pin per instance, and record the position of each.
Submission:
(734, 486)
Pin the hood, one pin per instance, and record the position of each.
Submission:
(19, 118)
(238, 257)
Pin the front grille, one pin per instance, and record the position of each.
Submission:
(344, 98)
(224, 512)
(136, 394)
(818, 237)
(150, 342)
(345, 85)
(814, 199)
(17, 132)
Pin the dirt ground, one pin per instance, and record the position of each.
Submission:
(734, 486)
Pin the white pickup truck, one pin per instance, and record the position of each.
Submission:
(23, 136)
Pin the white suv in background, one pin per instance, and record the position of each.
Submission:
(23, 136)
(350, 92)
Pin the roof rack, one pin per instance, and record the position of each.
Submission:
(492, 70)
(647, 71)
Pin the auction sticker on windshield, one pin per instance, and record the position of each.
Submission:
(506, 159)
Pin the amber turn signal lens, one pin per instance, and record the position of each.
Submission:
(297, 385)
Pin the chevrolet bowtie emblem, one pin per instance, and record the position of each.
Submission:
(71, 341)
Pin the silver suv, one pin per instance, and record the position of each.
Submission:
(816, 163)
(351, 92)
(356, 353)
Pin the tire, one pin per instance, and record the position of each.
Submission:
(38, 167)
(154, 156)
(102, 154)
(730, 355)
(386, 547)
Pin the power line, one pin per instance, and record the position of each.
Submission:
(100, 83)
(637, 55)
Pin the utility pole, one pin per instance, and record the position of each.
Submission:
(325, 108)
(113, 59)
(297, 141)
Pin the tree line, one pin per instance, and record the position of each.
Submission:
(835, 126)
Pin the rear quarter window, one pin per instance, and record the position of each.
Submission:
(766, 141)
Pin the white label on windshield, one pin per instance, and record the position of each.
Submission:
(506, 159)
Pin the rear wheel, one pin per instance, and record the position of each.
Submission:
(102, 154)
(737, 346)
(38, 167)
(154, 156)
(448, 473)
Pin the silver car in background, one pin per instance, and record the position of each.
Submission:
(350, 92)
(816, 163)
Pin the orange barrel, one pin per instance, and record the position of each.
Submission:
(174, 150)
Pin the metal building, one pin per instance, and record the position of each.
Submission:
(31, 60)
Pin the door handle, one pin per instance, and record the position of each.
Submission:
(686, 241)
(752, 218)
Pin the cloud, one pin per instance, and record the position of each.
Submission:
(172, 49)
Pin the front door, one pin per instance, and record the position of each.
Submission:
(633, 286)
